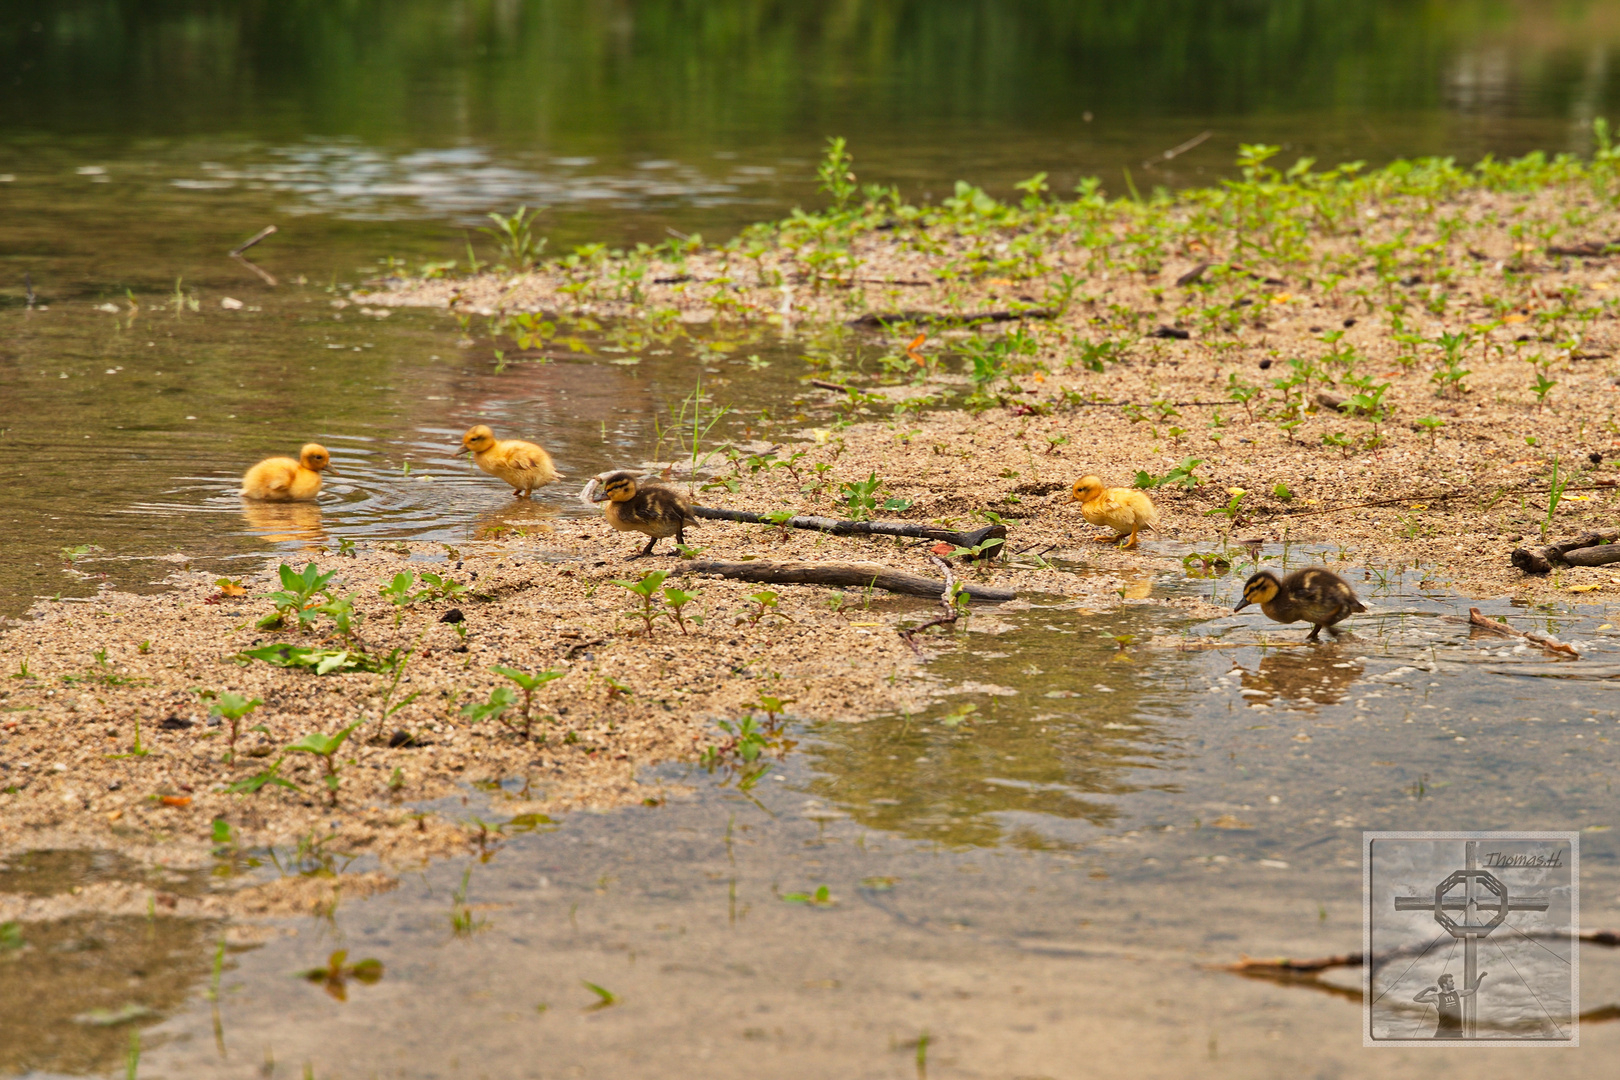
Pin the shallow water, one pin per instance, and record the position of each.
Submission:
(1042, 885)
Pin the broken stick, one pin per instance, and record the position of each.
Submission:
(865, 528)
(1593, 548)
(846, 575)
(1547, 642)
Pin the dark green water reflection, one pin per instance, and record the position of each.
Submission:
(1067, 729)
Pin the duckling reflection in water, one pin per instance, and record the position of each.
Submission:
(1305, 677)
(1312, 595)
(522, 464)
(1125, 511)
(280, 479)
(291, 522)
(652, 509)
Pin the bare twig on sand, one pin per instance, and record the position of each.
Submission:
(846, 575)
(862, 528)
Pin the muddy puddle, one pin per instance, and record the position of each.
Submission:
(1038, 876)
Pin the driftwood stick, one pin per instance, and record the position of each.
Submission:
(891, 318)
(254, 239)
(1602, 555)
(1550, 644)
(825, 385)
(846, 575)
(1541, 560)
(861, 528)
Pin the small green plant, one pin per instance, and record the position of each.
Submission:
(337, 972)
(605, 998)
(1542, 387)
(834, 174)
(1231, 510)
(1281, 493)
(137, 750)
(1432, 426)
(1338, 440)
(675, 600)
(1181, 473)
(861, 497)
(231, 708)
(514, 237)
(528, 684)
(822, 897)
(325, 747)
(258, 781)
(296, 599)
(462, 921)
(398, 592)
(132, 1057)
(11, 937)
(345, 548)
(1555, 494)
(647, 590)
(320, 661)
(1449, 378)
(765, 601)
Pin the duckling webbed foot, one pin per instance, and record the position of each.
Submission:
(1316, 632)
(644, 552)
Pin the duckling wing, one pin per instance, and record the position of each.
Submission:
(526, 457)
(1124, 510)
(1321, 593)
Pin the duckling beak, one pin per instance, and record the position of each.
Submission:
(463, 450)
(1245, 602)
(331, 470)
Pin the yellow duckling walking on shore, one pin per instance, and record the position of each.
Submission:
(1125, 511)
(652, 509)
(281, 479)
(522, 464)
(1314, 595)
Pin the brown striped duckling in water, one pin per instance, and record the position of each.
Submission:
(652, 509)
(1314, 595)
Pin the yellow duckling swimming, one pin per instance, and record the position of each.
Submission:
(1315, 595)
(281, 479)
(654, 510)
(522, 464)
(1125, 511)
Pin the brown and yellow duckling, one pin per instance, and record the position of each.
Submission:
(281, 479)
(1314, 595)
(652, 509)
(522, 464)
(1125, 511)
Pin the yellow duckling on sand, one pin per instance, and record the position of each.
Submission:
(1125, 511)
(1314, 595)
(281, 479)
(651, 509)
(522, 464)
